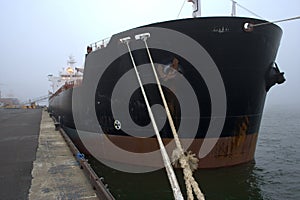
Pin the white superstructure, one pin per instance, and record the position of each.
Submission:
(68, 76)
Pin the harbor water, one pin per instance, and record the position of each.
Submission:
(274, 175)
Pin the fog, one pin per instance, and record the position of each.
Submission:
(38, 36)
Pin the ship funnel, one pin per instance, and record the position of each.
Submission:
(196, 7)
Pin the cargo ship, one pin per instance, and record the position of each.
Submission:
(215, 73)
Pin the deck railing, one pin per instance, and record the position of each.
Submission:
(100, 44)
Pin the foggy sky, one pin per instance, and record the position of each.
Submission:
(37, 36)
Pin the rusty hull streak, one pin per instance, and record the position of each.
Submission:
(228, 151)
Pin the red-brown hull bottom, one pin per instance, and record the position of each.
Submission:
(227, 151)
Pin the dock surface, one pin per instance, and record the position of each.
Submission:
(36, 162)
(19, 132)
(56, 173)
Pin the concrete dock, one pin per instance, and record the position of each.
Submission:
(56, 173)
(36, 162)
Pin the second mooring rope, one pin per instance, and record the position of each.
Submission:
(184, 160)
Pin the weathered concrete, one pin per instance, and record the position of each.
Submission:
(19, 131)
(56, 173)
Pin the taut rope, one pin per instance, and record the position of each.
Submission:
(273, 22)
(170, 172)
(183, 159)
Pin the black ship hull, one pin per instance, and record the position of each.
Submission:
(216, 93)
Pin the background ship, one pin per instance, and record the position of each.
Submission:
(107, 109)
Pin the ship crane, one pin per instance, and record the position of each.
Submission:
(32, 102)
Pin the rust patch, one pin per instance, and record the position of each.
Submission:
(240, 131)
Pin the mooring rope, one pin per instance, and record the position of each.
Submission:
(181, 8)
(277, 21)
(264, 23)
(243, 7)
(166, 160)
(183, 159)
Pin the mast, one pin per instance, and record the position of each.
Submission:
(71, 61)
(196, 7)
(233, 11)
